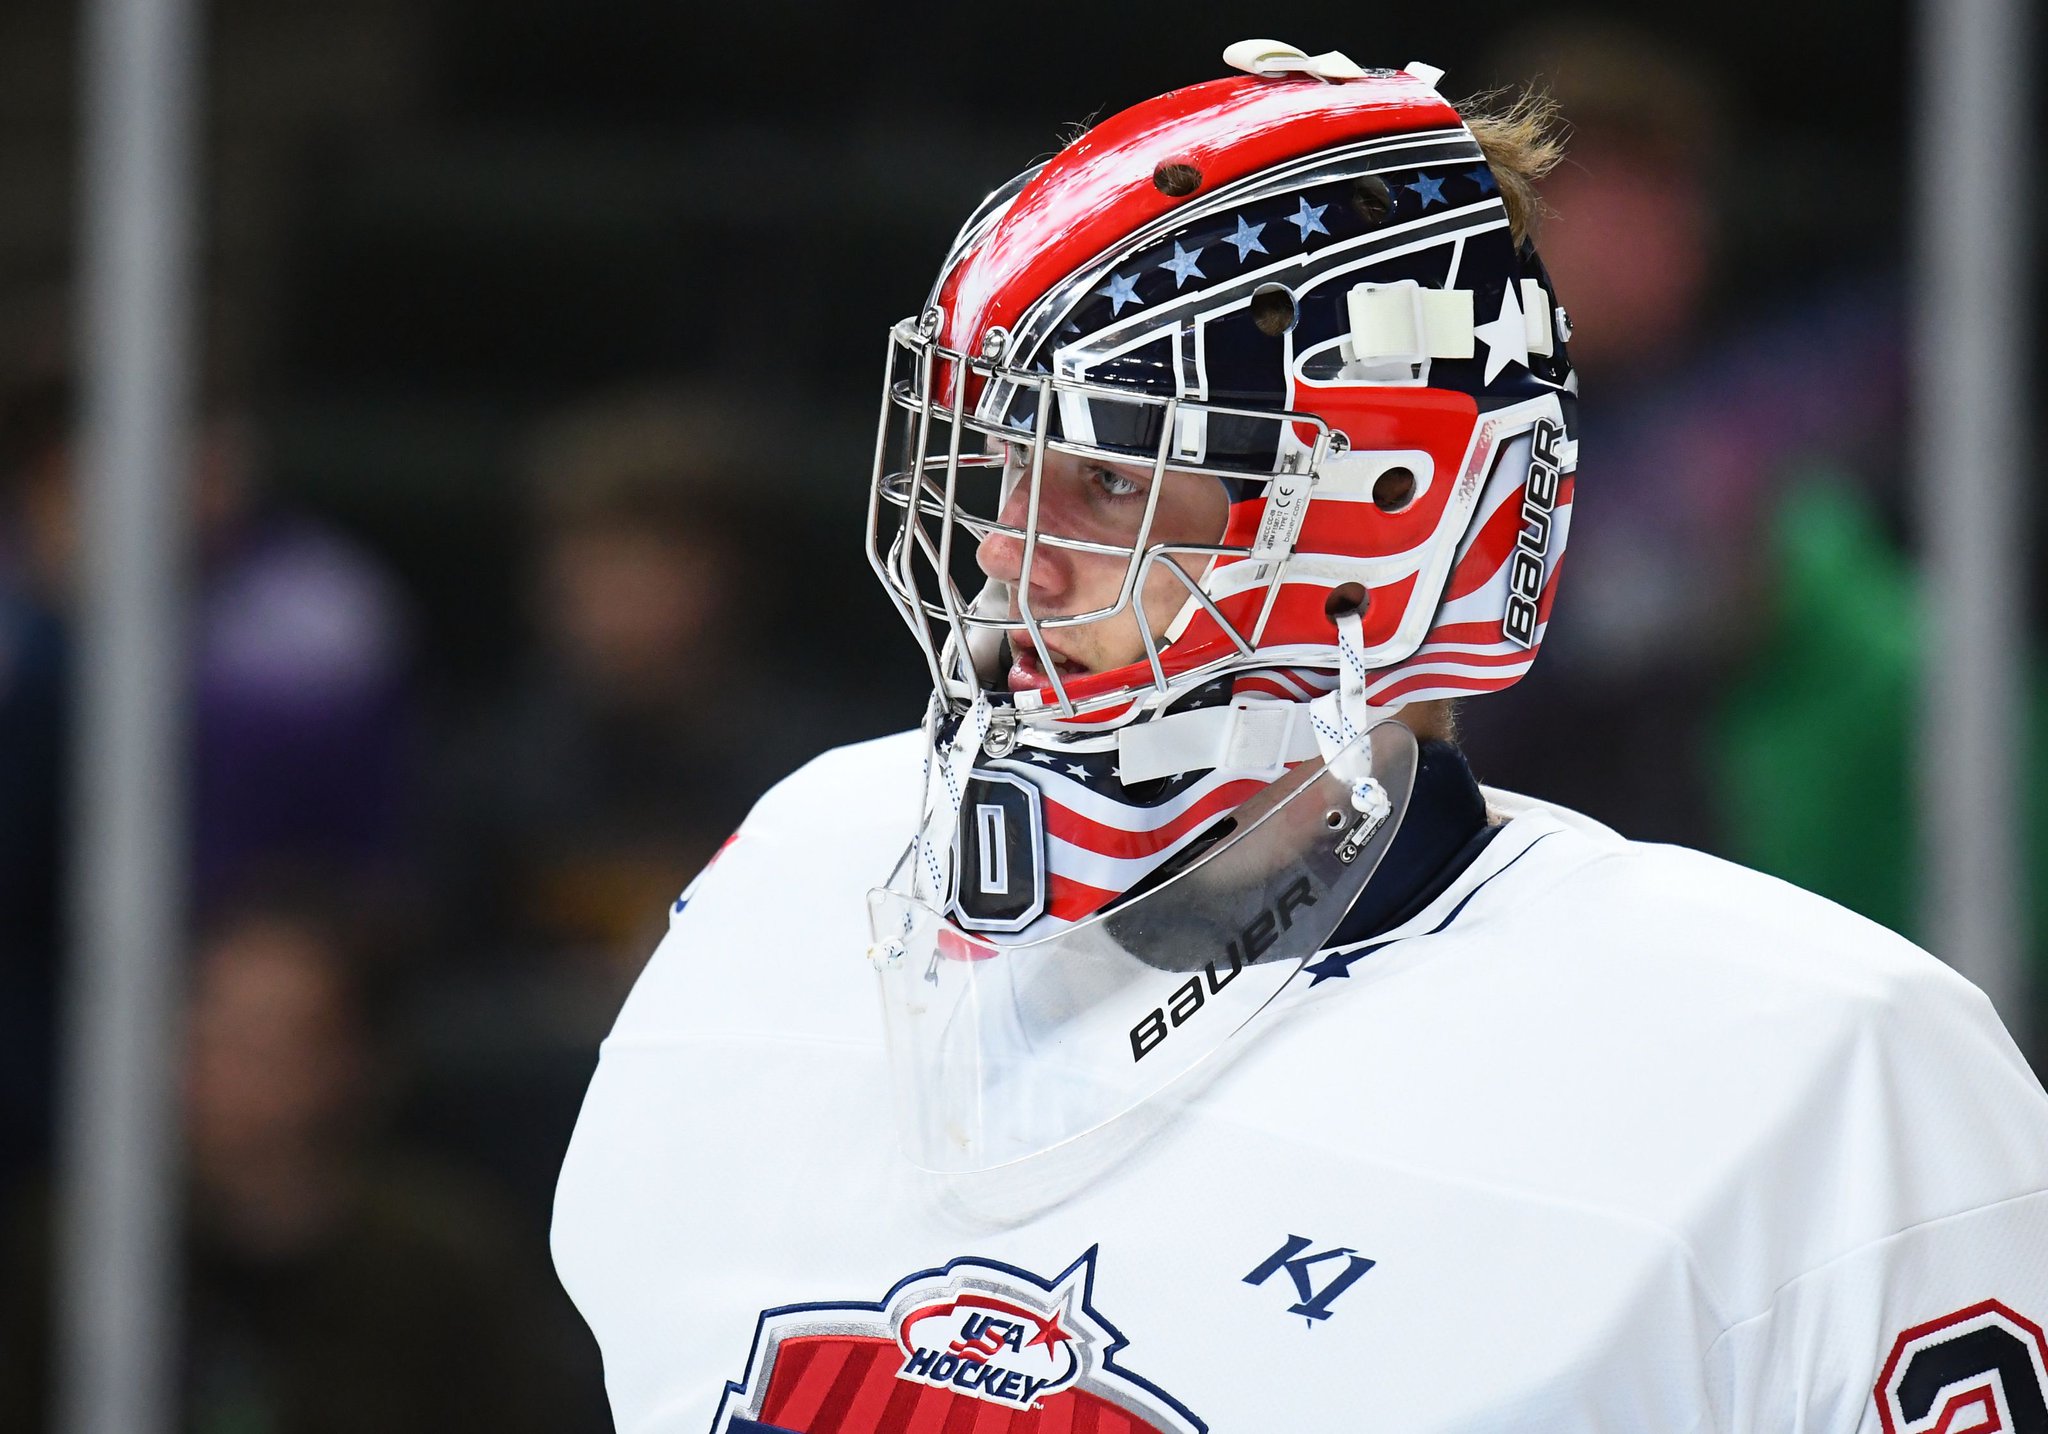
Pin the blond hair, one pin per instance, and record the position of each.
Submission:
(1522, 137)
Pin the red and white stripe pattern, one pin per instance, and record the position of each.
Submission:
(1288, 684)
(1466, 650)
(1103, 838)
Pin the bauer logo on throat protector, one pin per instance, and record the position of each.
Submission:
(976, 1344)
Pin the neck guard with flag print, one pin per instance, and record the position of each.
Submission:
(1048, 835)
(1059, 945)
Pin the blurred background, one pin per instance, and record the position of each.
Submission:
(538, 370)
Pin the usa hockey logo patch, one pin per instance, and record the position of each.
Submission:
(975, 1345)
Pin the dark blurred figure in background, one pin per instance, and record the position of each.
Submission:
(298, 666)
(330, 1288)
(1717, 413)
(576, 799)
(639, 731)
(299, 653)
(1746, 622)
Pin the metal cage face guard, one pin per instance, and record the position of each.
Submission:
(938, 492)
(1088, 310)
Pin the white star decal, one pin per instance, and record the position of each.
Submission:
(1076, 769)
(1246, 239)
(1308, 220)
(1182, 265)
(1037, 756)
(1507, 337)
(1120, 291)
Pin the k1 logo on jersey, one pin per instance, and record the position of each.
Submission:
(1340, 1270)
(975, 1345)
(1981, 1370)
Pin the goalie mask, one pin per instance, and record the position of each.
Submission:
(1237, 425)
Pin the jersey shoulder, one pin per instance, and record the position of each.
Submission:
(769, 940)
(1674, 1040)
(844, 792)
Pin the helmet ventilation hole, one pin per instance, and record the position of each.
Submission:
(1371, 198)
(1274, 309)
(1351, 597)
(1393, 490)
(1177, 178)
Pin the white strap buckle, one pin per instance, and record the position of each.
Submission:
(1258, 739)
(1405, 323)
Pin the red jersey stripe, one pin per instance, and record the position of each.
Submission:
(994, 1419)
(1055, 1416)
(792, 1359)
(960, 1418)
(904, 1398)
(808, 1390)
(928, 1414)
(856, 1403)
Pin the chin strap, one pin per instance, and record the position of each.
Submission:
(1262, 738)
(1258, 737)
(1341, 717)
(942, 798)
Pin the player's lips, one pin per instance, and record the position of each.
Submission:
(1027, 672)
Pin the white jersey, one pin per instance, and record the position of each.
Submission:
(1609, 1137)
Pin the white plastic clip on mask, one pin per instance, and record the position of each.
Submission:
(1270, 59)
(1338, 718)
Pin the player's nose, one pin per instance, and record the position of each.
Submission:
(1001, 552)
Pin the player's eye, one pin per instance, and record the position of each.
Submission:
(1115, 484)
